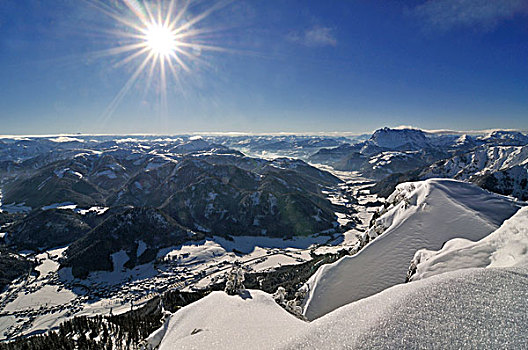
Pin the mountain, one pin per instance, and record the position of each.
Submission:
(399, 139)
(500, 169)
(12, 266)
(272, 201)
(45, 229)
(511, 182)
(506, 138)
(139, 232)
(482, 160)
(417, 215)
(84, 180)
(198, 187)
(386, 152)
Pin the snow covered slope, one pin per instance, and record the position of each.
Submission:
(467, 309)
(220, 321)
(480, 161)
(422, 214)
(505, 137)
(506, 247)
(471, 308)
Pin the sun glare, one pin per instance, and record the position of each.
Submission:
(160, 39)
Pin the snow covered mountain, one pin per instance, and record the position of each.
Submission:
(92, 225)
(472, 308)
(506, 138)
(386, 152)
(408, 139)
(418, 215)
(480, 161)
(501, 169)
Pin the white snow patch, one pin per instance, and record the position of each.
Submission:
(220, 321)
(142, 246)
(63, 205)
(505, 247)
(15, 208)
(108, 173)
(65, 139)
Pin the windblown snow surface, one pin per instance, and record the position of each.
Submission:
(506, 247)
(422, 214)
(471, 308)
(475, 308)
(220, 321)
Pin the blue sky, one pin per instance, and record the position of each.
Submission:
(287, 66)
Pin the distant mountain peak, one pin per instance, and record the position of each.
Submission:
(393, 138)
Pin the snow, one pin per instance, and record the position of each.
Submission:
(142, 246)
(108, 173)
(468, 309)
(60, 139)
(423, 214)
(49, 261)
(63, 205)
(60, 173)
(97, 210)
(15, 208)
(260, 253)
(472, 308)
(220, 321)
(505, 247)
(47, 296)
(153, 165)
(194, 252)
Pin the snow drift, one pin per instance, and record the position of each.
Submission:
(471, 308)
(466, 309)
(422, 214)
(506, 247)
(220, 321)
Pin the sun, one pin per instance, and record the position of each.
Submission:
(160, 39)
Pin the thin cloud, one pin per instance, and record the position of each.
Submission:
(479, 14)
(316, 36)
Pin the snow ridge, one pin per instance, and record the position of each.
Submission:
(423, 214)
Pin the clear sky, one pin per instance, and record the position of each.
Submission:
(284, 65)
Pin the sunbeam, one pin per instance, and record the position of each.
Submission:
(156, 37)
